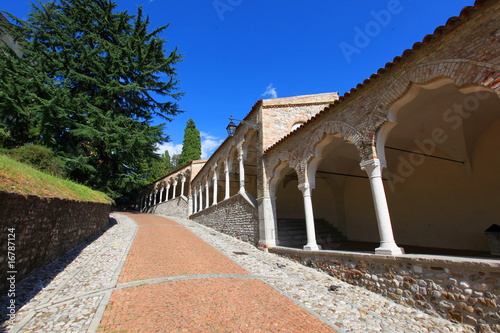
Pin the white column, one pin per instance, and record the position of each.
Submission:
(215, 180)
(228, 183)
(311, 232)
(150, 198)
(242, 173)
(168, 192)
(195, 200)
(207, 199)
(183, 180)
(154, 197)
(387, 244)
(201, 197)
(174, 189)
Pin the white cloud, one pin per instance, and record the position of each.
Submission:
(209, 144)
(171, 147)
(270, 91)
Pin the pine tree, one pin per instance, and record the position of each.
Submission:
(191, 146)
(88, 86)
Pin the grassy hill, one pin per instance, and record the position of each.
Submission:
(21, 178)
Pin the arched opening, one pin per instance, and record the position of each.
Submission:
(441, 149)
(178, 179)
(210, 181)
(289, 208)
(187, 184)
(221, 180)
(250, 164)
(234, 176)
(342, 200)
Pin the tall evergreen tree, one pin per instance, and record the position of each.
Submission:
(191, 146)
(159, 167)
(174, 162)
(88, 86)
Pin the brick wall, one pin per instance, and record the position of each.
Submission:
(177, 207)
(462, 290)
(235, 217)
(44, 228)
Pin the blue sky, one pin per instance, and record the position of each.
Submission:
(239, 51)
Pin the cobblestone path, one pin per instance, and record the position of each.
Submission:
(151, 274)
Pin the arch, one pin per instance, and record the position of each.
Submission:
(429, 146)
(346, 131)
(292, 124)
(464, 73)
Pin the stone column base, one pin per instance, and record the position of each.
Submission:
(314, 247)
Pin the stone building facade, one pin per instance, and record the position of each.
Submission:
(404, 162)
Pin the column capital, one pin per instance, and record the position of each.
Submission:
(373, 167)
(306, 188)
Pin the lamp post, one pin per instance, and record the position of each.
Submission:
(231, 127)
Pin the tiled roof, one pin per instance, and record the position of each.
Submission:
(450, 25)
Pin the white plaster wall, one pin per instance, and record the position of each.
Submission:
(441, 205)
(361, 222)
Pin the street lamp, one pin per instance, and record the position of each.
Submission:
(231, 128)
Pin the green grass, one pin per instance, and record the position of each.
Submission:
(21, 178)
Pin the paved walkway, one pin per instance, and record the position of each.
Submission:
(152, 274)
(205, 291)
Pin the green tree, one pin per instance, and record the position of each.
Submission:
(159, 167)
(191, 146)
(88, 86)
(174, 162)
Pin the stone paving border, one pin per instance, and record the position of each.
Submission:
(84, 274)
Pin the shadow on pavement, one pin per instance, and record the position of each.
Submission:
(27, 288)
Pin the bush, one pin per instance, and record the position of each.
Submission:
(39, 157)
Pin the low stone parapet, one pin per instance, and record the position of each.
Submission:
(236, 216)
(464, 290)
(177, 207)
(37, 230)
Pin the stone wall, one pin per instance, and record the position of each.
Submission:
(177, 207)
(459, 289)
(41, 229)
(278, 115)
(235, 217)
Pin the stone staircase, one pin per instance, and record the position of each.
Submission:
(292, 233)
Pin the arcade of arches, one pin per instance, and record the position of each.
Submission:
(406, 161)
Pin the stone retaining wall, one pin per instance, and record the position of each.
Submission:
(235, 217)
(177, 207)
(37, 230)
(459, 289)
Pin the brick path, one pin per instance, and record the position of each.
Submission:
(197, 289)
